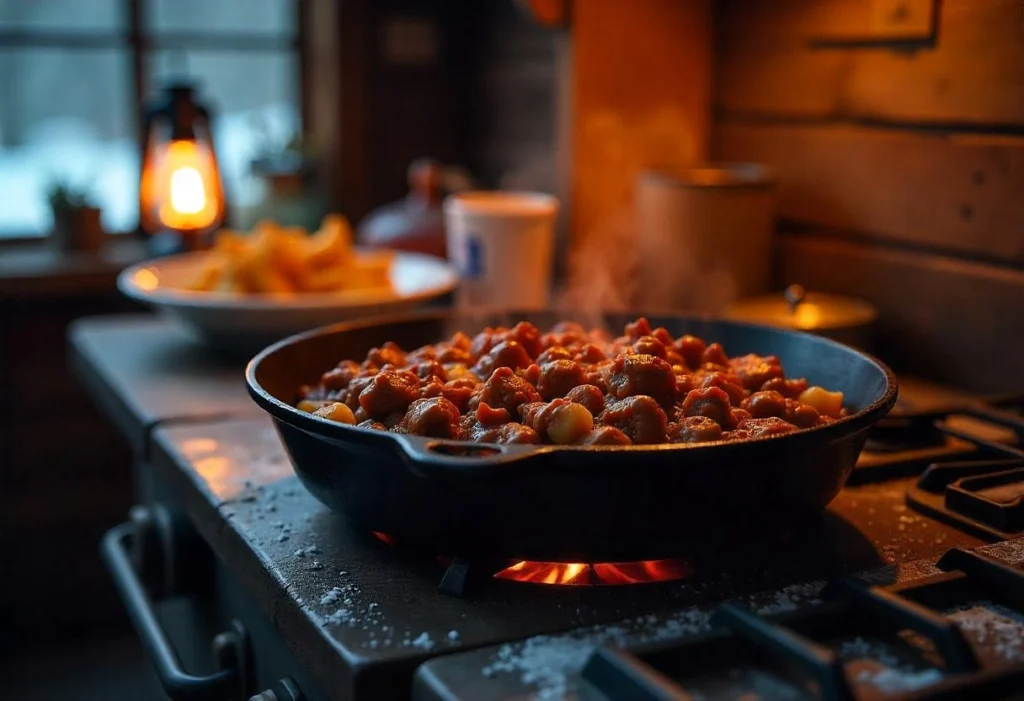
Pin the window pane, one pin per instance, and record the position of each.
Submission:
(66, 115)
(242, 16)
(62, 15)
(253, 97)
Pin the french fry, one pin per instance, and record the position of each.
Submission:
(277, 260)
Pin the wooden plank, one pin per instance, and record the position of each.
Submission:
(974, 74)
(960, 193)
(831, 21)
(770, 61)
(946, 319)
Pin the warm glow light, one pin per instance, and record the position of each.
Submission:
(595, 574)
(147, 280)
(181, 188)
(188, 196)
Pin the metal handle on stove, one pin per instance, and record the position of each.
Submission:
(230, 648)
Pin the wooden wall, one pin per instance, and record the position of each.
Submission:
(897, 128)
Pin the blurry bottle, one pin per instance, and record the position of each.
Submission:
(415, 223)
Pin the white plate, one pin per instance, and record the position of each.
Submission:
(245, 323)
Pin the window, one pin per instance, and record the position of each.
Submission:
(75, 75)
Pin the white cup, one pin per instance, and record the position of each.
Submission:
(502, 245)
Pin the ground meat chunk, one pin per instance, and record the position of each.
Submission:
(800, 414)
(600, 374)
(458, 392)
(737, 416)
(590, 353)
(639, 417)
(355, 388)
(684, 383)
(762, 405)
(589, 396)
(526, 335)
(554, 353)
(558, 377)
(649, 345)
(711, 402)
(715, 355)
(389, 392)
(487, 416)
(531, 374)
(790, 389)
(339, 377)
(754, 370)
(605, 435)
(454, 355)
(435, 417)
(640, 327)
(431, 368)
(507, 354)
(694, 429)
(507, 434)
(730, 384)
(484, 341)
(504, 389)
(387, 354)
(691, 349)
(643, 374)
(759, 428)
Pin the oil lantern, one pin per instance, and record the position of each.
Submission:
(181, 199)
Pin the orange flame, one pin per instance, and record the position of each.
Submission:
(596, 574)
(384, 538)
(181, 187)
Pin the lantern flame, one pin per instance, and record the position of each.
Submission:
(183, 187)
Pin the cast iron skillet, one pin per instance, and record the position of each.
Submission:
(578, 503)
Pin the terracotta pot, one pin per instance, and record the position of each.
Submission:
(78, 229)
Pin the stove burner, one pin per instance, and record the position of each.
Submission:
(596, 574)
(783, 654)
(908, 443)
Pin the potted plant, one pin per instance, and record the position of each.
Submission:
(290, 193)
(76, 221)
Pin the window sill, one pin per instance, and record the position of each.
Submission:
(37, 270)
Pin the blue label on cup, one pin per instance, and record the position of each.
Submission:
(474, 260)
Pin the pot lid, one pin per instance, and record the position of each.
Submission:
(807, 311)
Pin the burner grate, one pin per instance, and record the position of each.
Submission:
(792, 656)
(906, 444)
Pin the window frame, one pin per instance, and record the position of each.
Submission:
(142, 42)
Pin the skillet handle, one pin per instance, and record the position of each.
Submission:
(442, 453)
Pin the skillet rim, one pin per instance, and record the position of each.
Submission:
(420, 448)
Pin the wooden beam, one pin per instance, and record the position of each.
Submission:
(939, 317)
(771, 61)
(953, 192)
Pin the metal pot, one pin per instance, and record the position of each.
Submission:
(844, 319)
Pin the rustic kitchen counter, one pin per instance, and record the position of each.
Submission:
(145, 371)
(361, 616)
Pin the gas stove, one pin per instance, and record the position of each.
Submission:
(885, 593)
(907, 586)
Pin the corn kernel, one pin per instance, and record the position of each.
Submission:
(311, 405)
(458, 371)
(336, 412)
(570, 422)
(827, 403)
